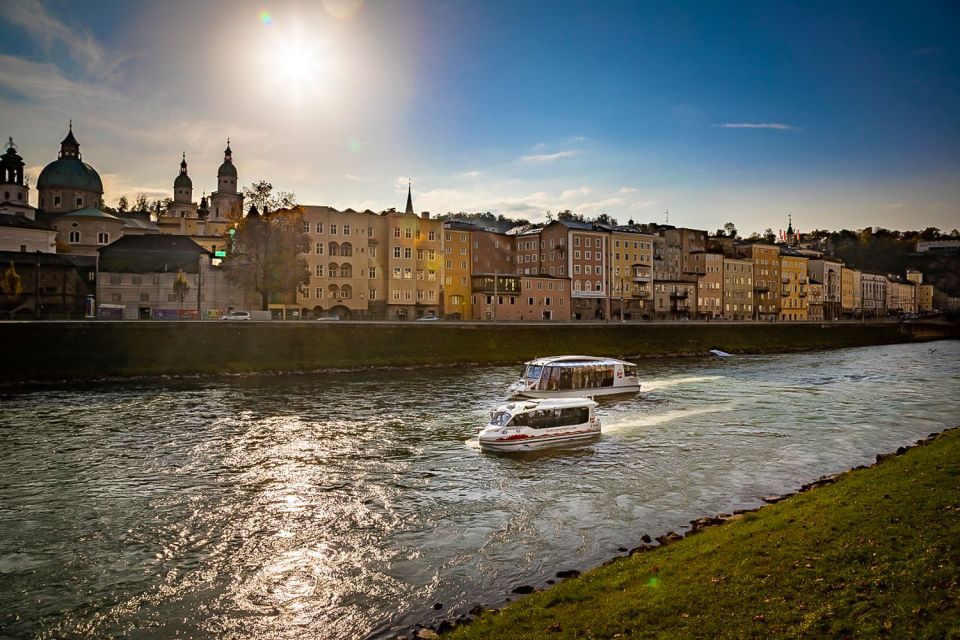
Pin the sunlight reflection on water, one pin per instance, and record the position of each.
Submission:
(345, 505)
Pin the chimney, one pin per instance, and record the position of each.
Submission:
(425, 215)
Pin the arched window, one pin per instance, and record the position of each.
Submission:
(333, 270)
(334, 249)
(346, 270)
(576, 285)
(346, 292)
(346, 249)
(334, 291)
(103, 238)
(74, 237)
(599, 286)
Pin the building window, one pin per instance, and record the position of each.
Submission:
(319, 249)
(431, 254)
(333, 229)
(373, 273)
(74, 237)
(372, 294)
(408, 295)
(56, 201)
(408, 273)
(103, 238)
(306, 229)
(396, 232)
(318, 270)
(396, 273)
(407, 253)
(408, 233)
(318, 292)
(432, 235)
(346, 229)
(396, 294)
(79, 201)
(372, 251)
(319, 228)
(420, 254)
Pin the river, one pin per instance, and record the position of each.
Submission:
(344, 505)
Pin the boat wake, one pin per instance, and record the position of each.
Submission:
(657, 385)
(611, 425)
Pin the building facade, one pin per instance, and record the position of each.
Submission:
(737, 289)
(766, 279)
(794, 279)
(708, 267)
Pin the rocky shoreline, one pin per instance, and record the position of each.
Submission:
(435, 627)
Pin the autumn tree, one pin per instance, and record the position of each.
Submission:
(141, 204)
(266, 248)
(11, 286)
(180, 289)
(123, 204)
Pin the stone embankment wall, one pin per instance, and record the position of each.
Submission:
(54, 351)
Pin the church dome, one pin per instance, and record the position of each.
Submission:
(183, 181)
(227, 170)
(70, 173)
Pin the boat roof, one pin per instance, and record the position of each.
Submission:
(546, 403)
(573, 361)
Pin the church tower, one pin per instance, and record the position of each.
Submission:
(409, 208)
(791, 236)
(226, 200)
(183, 205)
(15, 194)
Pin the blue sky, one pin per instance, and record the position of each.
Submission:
(843, 116)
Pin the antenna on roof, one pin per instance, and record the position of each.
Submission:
(668, 216)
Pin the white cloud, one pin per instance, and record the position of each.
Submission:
(572, 193)
(470, 174)
(759, 125)
(624, 190)
(549, 157)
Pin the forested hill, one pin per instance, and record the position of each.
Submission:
(894, 252)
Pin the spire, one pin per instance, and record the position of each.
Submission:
(69, 147)
(409, 208)
(183, 164)
(789, 223)
(227, 153)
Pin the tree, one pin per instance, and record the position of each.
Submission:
(141, 204)
(731, 229)
(180, 289)
(123, 204)
(770, 236)
(11, 286)
(260, 194)
(568, 216)
(604, 218)
(266, 250)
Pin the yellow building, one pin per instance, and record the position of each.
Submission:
(794, 302)
(850, 292)
(630, 271)
(456, 270)
(414, 264)
(924, 298)
(708, 266)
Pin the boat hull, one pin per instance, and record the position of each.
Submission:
(518, 392)
(528, 442)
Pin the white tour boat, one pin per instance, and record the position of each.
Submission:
(531, 424)
(575, 376)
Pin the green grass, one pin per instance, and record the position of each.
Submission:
(875, 555)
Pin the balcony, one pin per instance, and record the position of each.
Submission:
(761, 288)
(642, 294)
(679, 295)
(641, 279)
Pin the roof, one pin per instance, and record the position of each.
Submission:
(151, 254)
(574, 361)
(70, 173)
(546, 403)
(137, 223)
(57, 259)
(21, 222)
(571, 224)
(90, 212)
(227, 169)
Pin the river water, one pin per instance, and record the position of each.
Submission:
(345, 505)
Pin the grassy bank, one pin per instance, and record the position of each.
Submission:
(875, 554)
(83, 350)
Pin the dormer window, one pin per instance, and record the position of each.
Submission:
(79, 201)
(56, 201)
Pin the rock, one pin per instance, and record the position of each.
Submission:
(818, 483)
(642, 549)
(901, 451)
(776, 499)
(423, 634)
(437, 605)
(622, 549)
(551, 581)
(669, 538)
(702, 523)
(645, 538)
(523, 589)
(883, 456)
(568, 573)
(477, 610)
(445, 626)
(463, 621)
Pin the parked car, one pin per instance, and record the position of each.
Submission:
(328, 318)
(236, 315)
(427, 318)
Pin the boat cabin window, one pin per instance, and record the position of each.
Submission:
(533, 372)
(500, 418)
(550, 418)
(630, 370)
(591, 376)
